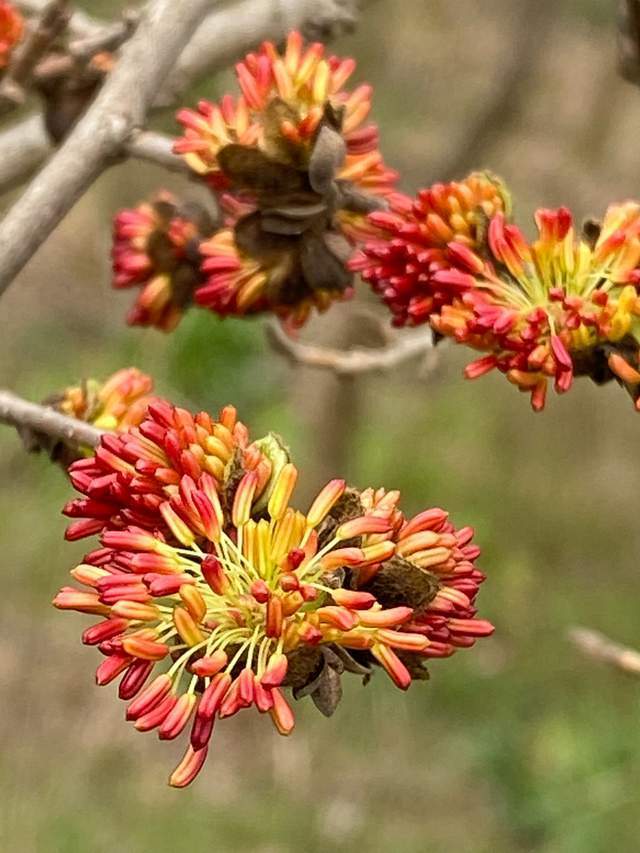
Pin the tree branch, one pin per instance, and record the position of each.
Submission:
(52, 22)
(81, 25)
(223, 36)
(24, 146)
(21, 414)
(597, 646)
(155, 148)
(531, 21)
(228, 33)
(119, 109)
(405, 346)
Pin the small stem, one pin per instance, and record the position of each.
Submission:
(17, 412)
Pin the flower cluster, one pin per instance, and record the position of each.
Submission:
(116, 404)
(216, 595)
(297, 170)
(412, 238)
(11, 30)
(561, 306)
(157, 248)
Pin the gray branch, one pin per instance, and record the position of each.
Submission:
(403, 347)
(227, 34)
(21, 414)
(81, 24)
(120, 108)
(597, 646)
(24, 147)
(155, 148)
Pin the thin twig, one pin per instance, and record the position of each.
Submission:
(119, 109)
(155, 148)
(34, 47)
(21, 414)
(629, 40)
(110, 38)
(406, 346)
(81, 25)
(599, 647)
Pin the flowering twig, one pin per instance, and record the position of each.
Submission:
(119, 109)
(51, 24)
(599, 647)
(227, 33)
(405, 346)
(22, 414)
(224, 35)
(155, 148)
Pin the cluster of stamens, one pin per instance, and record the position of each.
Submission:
(208, 574)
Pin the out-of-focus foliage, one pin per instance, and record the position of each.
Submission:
(518, 745)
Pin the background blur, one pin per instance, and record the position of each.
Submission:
(517, 745)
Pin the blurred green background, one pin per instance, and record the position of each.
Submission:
(519, 744)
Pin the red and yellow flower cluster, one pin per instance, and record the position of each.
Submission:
(215, 595)
(156, 248)
(11, 31)
(116, 404)
(561, 306)
(297, 168)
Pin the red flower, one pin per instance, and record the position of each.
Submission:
(215, 594)
(156, 248)
(410, 246)
(552, 309)
(11, 30)
(301, 170)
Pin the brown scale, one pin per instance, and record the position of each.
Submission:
(293, 232)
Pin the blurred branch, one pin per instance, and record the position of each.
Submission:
(629, 40)
(155, 148)
(120, 108)
(80, 24)
(19, 413)
(110, 37)
(500, 107)
(23, 145)
(349, 362)
(51, 23)
(595, 645)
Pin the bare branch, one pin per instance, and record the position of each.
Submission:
(531, 22)
(81, 25)
(629, 40)
(595, 645)
(110, 37)
(405, 346)
(155, 148)
(119, 109)
(51, 24)
(21, 414)
(23, 145)
(228, 33)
